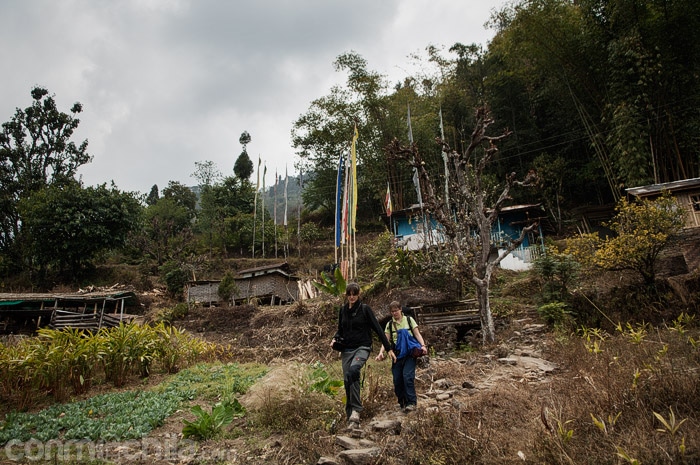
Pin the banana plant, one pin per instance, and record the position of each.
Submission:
(334, 286)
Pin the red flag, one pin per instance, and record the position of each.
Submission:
(387, 201)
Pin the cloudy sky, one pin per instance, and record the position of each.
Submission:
(167, 83)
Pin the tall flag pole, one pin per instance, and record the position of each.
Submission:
(255, 204)
(286, 231)
(344, 233)
(286, 183)
(274, 209)
(262, 213)
(354, 200)
(444, 160)
(338, 204)
(416, 180)
(301, 189)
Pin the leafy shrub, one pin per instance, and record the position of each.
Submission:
(320, 381)
(174, 277)
(227, 287)
(18, 380)
(127, 347)
(208, 425)
(558, 273)
(400, 267)
(311, 232)
(554, 313)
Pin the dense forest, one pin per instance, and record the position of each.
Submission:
(600, 95)
(596, 95)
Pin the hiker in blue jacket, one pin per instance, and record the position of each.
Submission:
(403, 367)
(356, 321)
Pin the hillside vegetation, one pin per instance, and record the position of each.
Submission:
(612, 379)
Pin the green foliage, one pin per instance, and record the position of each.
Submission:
(227, 287)
(311, 232)
(400, 267)
(215, 381)
(132, 414)
(153, 196)
(108, 417)
(127, 347)
(178, 312)
(175, 278)
(36, 151)
(67, 226)
(166, 229)
(335, 286)
(642, 231)
(243, 168)
(320, 381)
(558, 272)
(554, 313)
(207, 425)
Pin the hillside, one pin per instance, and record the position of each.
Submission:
(542, 393)
(529, 398)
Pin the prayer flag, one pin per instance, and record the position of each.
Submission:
(416, 180)
(339, 201)
(354, 178)
(286, 183)
(387, 200)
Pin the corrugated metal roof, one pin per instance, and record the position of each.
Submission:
(672, 186)
(50, 297)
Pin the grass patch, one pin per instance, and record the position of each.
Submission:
(131, 414)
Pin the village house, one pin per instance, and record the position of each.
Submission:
(682, 255)
(269, 284)
(414, 230)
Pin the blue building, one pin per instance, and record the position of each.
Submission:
(413, 230)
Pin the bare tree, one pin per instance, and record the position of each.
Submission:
(466, 222)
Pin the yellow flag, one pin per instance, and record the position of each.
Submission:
(354, 178)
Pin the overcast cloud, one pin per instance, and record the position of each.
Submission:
(166, 83)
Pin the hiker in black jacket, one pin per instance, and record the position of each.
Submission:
(356, 321)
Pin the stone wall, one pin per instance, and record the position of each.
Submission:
(681, 255)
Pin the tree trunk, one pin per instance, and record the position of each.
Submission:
(488, 329)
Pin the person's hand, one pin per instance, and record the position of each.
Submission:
(393, 356)
(424, 349)
(380, 357)
(332, 342)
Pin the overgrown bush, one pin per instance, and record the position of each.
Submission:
(558, 273)
(227, 287)
(207, 425)
(554, 313)
(400, 267)
(311, 232)
(174, 277)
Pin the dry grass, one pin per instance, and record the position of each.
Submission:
(613, 396)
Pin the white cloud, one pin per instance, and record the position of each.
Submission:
(165, 83)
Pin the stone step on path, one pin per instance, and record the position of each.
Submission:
(358, 449)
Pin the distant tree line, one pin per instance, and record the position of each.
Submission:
(598, 95)
(55, 229)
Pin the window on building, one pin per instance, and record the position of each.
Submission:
(695, 202)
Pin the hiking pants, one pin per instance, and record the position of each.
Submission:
(353, 361)
(404, 371)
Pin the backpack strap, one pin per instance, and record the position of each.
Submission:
(391, 328)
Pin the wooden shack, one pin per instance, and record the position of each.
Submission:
(26, 312)
(270, 284)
